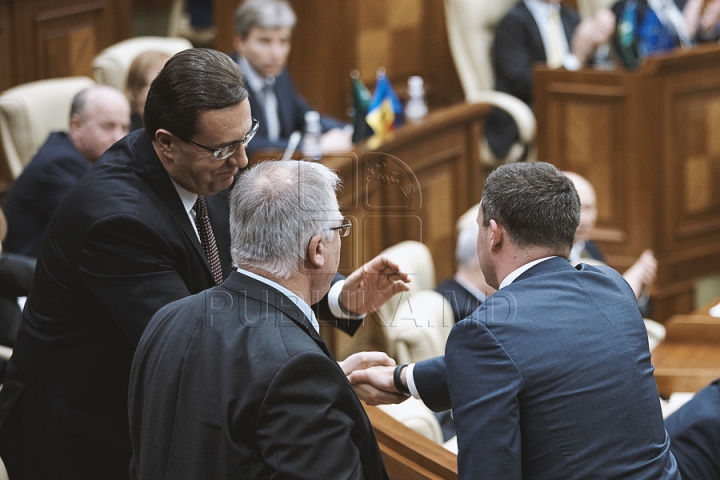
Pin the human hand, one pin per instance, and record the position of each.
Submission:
(336, 140)
(371, 285)
(710, 18)
(592, 33)
(641, 275)
(366, 392)
(380, 377)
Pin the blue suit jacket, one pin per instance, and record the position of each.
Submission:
(291, 111)
(551, 378)
(37, 192)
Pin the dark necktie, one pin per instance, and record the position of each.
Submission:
(207, 238)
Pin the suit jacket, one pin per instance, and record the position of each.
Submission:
(235, 382)
(517, 47)
(566, 389)
(291, 112)
(16, 274)
(463, 302)
(694, 431)
(37, 192)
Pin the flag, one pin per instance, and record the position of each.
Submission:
(385, 110)
(626, 30)
(654, 38)
(361, 102)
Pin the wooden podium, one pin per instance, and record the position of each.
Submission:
(649, 141)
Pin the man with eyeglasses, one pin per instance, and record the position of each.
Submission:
(144, 227)
(240, 369)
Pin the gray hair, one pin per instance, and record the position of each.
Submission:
(535, 202)
(466, 249)
(263, 14)
(275, 209)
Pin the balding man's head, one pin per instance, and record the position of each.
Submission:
(100, 116)
(588, 206)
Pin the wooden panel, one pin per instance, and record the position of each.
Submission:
(6, 52)
(407, 454)
(647, 141)
(61, 37)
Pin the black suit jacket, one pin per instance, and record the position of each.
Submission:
(37, 192)
(291, 112)
(462, 301)
(235, 382)
(119, 247)
(517, 47)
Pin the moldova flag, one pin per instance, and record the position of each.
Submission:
(385, 111)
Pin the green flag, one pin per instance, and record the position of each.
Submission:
(361, 100)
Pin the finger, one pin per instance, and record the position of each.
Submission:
(373, 396)
(363, 360)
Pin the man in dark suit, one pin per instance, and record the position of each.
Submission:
(694, 431)
(551, 376)
(99, 117)
(466, 290)
(528, 35)
(263, 32)
(241, 369)
(135, 234)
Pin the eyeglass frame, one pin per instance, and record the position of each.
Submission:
(344, 228)
(233, 146)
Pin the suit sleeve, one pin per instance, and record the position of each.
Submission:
(56, 180)
(123, 253)
(305, 426)
(512, 57)
(484, 385)
(431, 382)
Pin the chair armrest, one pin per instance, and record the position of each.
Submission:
(516, 108)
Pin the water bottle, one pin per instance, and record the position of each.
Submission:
(311, 140)
(416, 109)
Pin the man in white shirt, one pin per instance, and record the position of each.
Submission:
(263, 33)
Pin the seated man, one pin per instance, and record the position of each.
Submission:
(467, 289)
(551, 376)
(694, 431)
(538, 31)
(99, 117)
(241, 370)
(263, 31)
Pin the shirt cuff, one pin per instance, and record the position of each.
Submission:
(334, 303)
(410, 379)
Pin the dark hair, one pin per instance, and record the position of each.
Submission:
(535, 202)
(193, 81)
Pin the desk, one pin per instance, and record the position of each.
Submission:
(649, 141)
(412, 187)
(689, 357)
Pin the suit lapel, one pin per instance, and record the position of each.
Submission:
(243, 285)
(160, 182)
(538, 46)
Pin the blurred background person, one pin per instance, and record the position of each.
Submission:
(141, 73)
(99, 117)
(263, 34)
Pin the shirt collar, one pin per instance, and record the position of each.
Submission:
(254, 80)
(188, 198)
(519, 271)
(301, 304)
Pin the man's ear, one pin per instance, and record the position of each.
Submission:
(497, 235)
(165, 140)
(316, 251)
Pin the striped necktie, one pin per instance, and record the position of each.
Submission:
(207, 238)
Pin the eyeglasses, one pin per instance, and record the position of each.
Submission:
(344, 228)
(224, 152)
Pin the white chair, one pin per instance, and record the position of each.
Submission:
(470, 216)
(30, 112)
(419, 327)
(416, 260)
(110, 66)
(471, 31)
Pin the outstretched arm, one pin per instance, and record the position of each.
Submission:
(365, 391)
